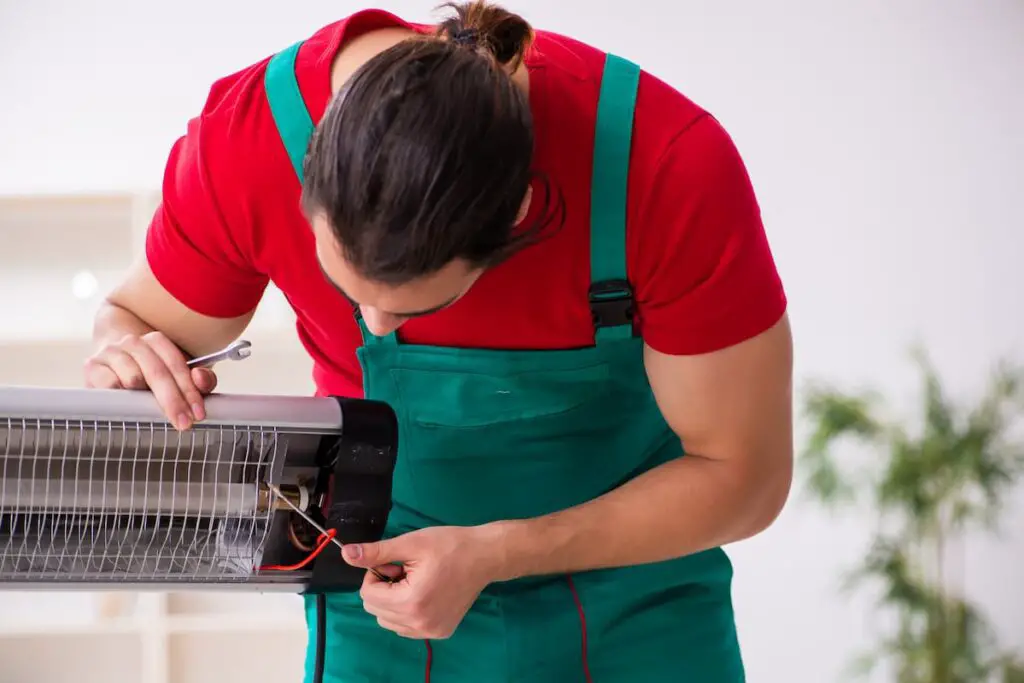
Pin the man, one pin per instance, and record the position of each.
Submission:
(552, 265)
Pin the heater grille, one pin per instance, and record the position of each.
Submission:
(133, 501)
(98, 490)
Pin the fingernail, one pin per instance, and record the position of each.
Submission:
(197, 411)
(352, 552)
(183, 422)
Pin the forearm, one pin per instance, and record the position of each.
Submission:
(680, 508)
(192, 334)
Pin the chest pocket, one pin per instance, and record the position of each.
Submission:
(467, 401)
(476, 447)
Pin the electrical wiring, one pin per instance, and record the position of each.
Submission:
(296, 541)
(322, 542)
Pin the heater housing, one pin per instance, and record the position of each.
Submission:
(99, 491)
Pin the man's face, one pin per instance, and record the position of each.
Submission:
(384, 308)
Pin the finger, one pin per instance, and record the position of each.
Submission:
(387, 613)
(390, 550)
(177, 365)
(129, 374)
(383, 594)
(205, 380)
(161, 382)
(392, 572)
(99, 376)
(399, 629)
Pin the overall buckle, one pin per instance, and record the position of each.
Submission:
(611, 303)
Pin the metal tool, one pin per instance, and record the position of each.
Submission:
(238, 350)
(99, 492)
(277, 492)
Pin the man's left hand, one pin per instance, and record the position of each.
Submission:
(443, 570)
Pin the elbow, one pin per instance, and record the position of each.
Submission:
(775, 487)
(113, 322)
(768, 490)
(773, 505)
(107, 321)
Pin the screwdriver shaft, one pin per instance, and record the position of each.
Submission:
(277, 492)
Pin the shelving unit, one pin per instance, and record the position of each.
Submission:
(190, 637)
(50, 242)
(121, 636)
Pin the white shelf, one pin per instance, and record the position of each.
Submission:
(236, 656)
(43, 630)
(207, 623)
(185, 637)
(236, 624)
(63, 658)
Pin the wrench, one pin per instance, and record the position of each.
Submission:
(238, 350)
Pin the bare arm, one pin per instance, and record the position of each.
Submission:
(140, 304)
(143, 337)
(733, 411)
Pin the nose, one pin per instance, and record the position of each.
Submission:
(379, 324)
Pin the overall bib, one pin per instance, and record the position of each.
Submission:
(488, 435)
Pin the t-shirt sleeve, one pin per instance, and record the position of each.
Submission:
(705, 275)
(195, 250)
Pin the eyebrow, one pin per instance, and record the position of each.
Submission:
(355, 304)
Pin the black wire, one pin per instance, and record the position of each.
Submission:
(321, 637)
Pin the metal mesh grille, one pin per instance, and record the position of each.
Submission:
(137, 502)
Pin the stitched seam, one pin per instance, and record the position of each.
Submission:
(583, 628)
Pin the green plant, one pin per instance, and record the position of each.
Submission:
(928, 486)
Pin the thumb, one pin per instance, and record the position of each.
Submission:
(368, 555)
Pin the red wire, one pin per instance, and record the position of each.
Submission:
(322, 542)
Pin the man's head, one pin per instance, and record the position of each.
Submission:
(418, 178)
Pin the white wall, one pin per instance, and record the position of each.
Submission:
(884, 139)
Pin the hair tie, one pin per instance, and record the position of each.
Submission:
(465, 36)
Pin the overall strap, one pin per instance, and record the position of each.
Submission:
(611, 295)
(295, 126)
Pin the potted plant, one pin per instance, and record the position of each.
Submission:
(927, 484)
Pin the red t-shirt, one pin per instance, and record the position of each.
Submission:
(697, 254)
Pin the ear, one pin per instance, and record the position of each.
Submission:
(524, 208)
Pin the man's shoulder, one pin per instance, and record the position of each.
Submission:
(662, 110)
(235, 120)
(239, 135)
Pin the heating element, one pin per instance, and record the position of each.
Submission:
(99, 491)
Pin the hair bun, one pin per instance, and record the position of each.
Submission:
(479, 24)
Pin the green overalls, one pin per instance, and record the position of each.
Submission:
(489, 435)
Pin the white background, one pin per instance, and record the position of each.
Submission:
(885, 140)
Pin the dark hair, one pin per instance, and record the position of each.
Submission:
(425, 154)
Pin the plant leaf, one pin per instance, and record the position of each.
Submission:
(835, 416)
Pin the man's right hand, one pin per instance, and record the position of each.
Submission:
(133, 354)
(152, 361)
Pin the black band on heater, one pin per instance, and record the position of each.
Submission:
(359, 468)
